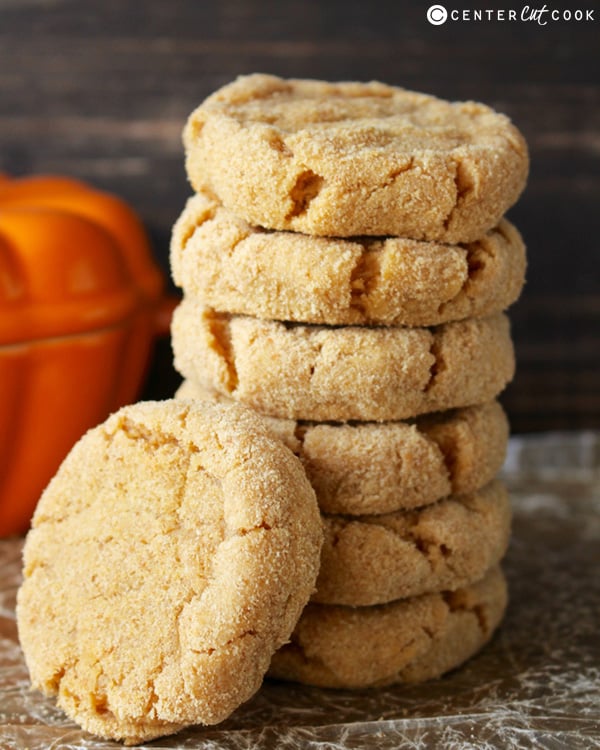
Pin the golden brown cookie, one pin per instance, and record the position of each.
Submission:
(376, 559)
(318, 373)
(236, 268)
(169, 557)
(410, 640)
(347, 159)
(367, 467)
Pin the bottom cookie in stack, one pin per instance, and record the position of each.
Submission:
(408, 640)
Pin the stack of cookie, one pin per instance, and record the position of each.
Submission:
(345, 265)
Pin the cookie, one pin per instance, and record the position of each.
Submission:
(367, 467)
(317, 373)
(407, 641)
(237, 268)
(376, 559)
(169, 557)
(347, 159)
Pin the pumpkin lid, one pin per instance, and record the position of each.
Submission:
(72, 259)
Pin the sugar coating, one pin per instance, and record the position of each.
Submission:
(365, 467)
(347, 159)
(234, 267)
(352, 372)
(409, 640)
(370, 560)
(169, 557)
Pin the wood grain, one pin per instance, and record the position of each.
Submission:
(100, 90)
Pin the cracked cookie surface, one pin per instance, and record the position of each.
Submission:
(234, 267)
(169, 557)
(362, 468)
(409, 640)
(370, 560)
(348, 159)
(349, 373)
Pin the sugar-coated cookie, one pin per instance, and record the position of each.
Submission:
(367, 467)
(352, 372)
(410, 640)
(169, 557)
(347, 159)
(376, 559)
(237, 268)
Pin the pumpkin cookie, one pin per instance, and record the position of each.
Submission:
(236, 268)
(410, 640)
(377, 559)
(318, 373)
(347, 159)
(368, 467)
(169, 557)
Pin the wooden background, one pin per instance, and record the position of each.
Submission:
(100, 89)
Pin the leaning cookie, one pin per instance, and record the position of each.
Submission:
(370, 560)
(352, 372)
(367, 467)
(347, 159)
(169, 557)
(237, 268)
(410, 640)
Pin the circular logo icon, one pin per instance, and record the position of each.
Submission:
(437, 15)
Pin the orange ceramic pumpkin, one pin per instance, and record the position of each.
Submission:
(81, 300)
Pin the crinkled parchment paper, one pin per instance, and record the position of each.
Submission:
(537, 684)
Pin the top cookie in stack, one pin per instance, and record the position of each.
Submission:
(352, 159)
